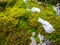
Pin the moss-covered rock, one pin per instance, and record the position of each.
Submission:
(17, 23)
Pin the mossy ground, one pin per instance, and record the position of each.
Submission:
(17, 23)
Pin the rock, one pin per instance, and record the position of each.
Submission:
(34, 9)
(46, 25)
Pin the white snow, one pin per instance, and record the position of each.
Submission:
(55, 8)
(38, 2)
(41, 37)
(58, 12)
(25, 1)
(34, 9)
(46, 25)
(48, 42)
(33, 39)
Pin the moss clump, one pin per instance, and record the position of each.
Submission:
(17, 24)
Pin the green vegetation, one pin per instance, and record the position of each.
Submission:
(17, 23)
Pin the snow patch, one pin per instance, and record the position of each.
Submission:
(56, 9)
(25, 1)
(58, 12)
(34, 9)
(33, 39)
(46, 25)
(41, 37)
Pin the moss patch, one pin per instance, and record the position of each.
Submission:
(17, 24)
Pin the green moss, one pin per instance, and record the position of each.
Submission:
(17, 24)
